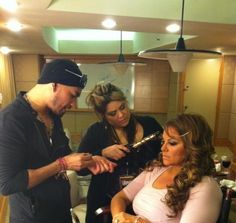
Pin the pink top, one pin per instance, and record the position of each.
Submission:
(203, 205)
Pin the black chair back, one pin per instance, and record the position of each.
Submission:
(228, 194)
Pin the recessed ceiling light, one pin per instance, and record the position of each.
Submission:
(4, 50)
(9, 5)
(14, 25)
(173, 28)
(109, 23)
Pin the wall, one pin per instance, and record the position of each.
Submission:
(152, 83)
(226, 121)
(210, 89)
(232, 113)
(232, 126)
(201, 88)
(225, 99)
(26, 71)
(173, 100)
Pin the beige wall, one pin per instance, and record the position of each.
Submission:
(226, 93)
(232, 121)
(152, 84)
(227, 107)
(173, 95)
(26, 71)
(211, 91)
(201, 84)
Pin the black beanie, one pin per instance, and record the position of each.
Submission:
(62, 71)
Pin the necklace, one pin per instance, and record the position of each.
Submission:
(47, 122)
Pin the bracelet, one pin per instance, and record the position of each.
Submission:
(63, 167)
(62, 164)
(137, 219)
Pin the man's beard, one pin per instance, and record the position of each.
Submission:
(55, 111)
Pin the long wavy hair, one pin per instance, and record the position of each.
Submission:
(198, 141)
(99, 97)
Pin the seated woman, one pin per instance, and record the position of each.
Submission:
(178, 187)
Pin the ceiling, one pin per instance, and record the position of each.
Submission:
(208, 24)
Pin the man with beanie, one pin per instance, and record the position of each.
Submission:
(34, 151)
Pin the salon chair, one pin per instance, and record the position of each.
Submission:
(228, 194)
(104, 214)
(78, 202)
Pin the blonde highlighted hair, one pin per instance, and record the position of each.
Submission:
(101, 95)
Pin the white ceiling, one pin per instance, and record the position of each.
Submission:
(209, 24)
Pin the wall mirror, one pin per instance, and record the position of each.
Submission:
(124, 78)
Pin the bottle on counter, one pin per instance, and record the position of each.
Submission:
(217, 162)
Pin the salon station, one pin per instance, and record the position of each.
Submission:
(168, 57)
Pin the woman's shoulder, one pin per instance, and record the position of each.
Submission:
(209, 180)
(154, 173)
(208, 185)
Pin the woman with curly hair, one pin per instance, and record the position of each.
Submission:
(179, 186)
(117, 127)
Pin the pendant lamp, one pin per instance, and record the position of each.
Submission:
(179, 56)
(121, 65)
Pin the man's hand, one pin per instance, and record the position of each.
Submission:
(78, 161)
(101, 164)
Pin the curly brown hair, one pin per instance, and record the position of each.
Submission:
(198, 141)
